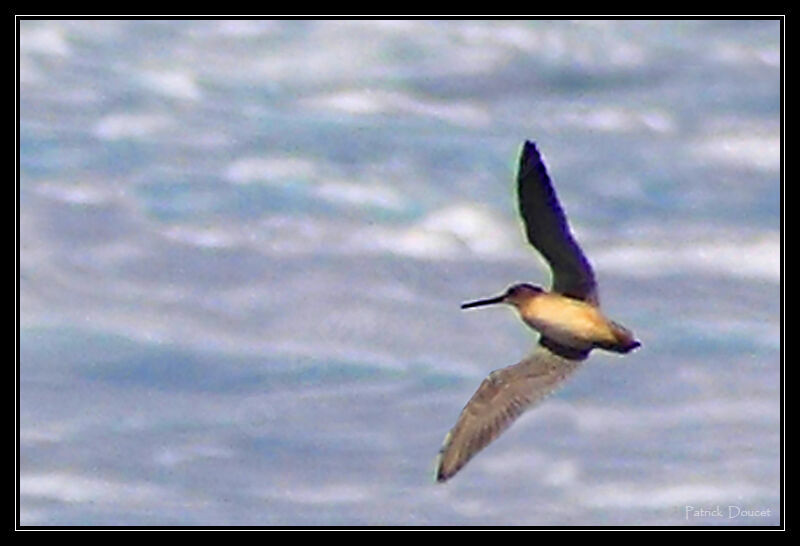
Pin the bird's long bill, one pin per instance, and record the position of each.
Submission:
(478, 303)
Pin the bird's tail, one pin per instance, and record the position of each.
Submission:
(624, 341)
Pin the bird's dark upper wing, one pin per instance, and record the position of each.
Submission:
(500, 399)
(548, 230)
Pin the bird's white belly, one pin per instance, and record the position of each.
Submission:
(578, 330)
(570, 335)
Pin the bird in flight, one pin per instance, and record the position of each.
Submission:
(568, 318)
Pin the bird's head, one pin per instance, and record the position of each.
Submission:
(516, 295)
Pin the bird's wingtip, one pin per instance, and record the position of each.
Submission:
(530, 147)
(530, 153)
(439, 475)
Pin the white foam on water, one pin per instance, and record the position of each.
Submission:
(566, 44)
(129, 126)
(45, 40)
(378, 101)
(745, 54)
(594, 419)
(364, 194)
(447, 233)
(616, 119)
(175, 456)
(550, 471)
(203, 236)
(29, 72)
(511, 36)
(50, 433)
(76, 488)
(245, 28)
(741, 149)
(475, 226)
(342, 52)
(176, 84)
(672, 495)
(269, 169)
(607, 45)
(752, 258)
(345, 493)
(75, 193)
(352, 102)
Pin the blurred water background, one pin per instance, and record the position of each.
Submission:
(243, 245)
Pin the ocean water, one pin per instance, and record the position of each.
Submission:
(243, 245)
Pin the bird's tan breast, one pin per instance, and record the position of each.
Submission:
(567, 320)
